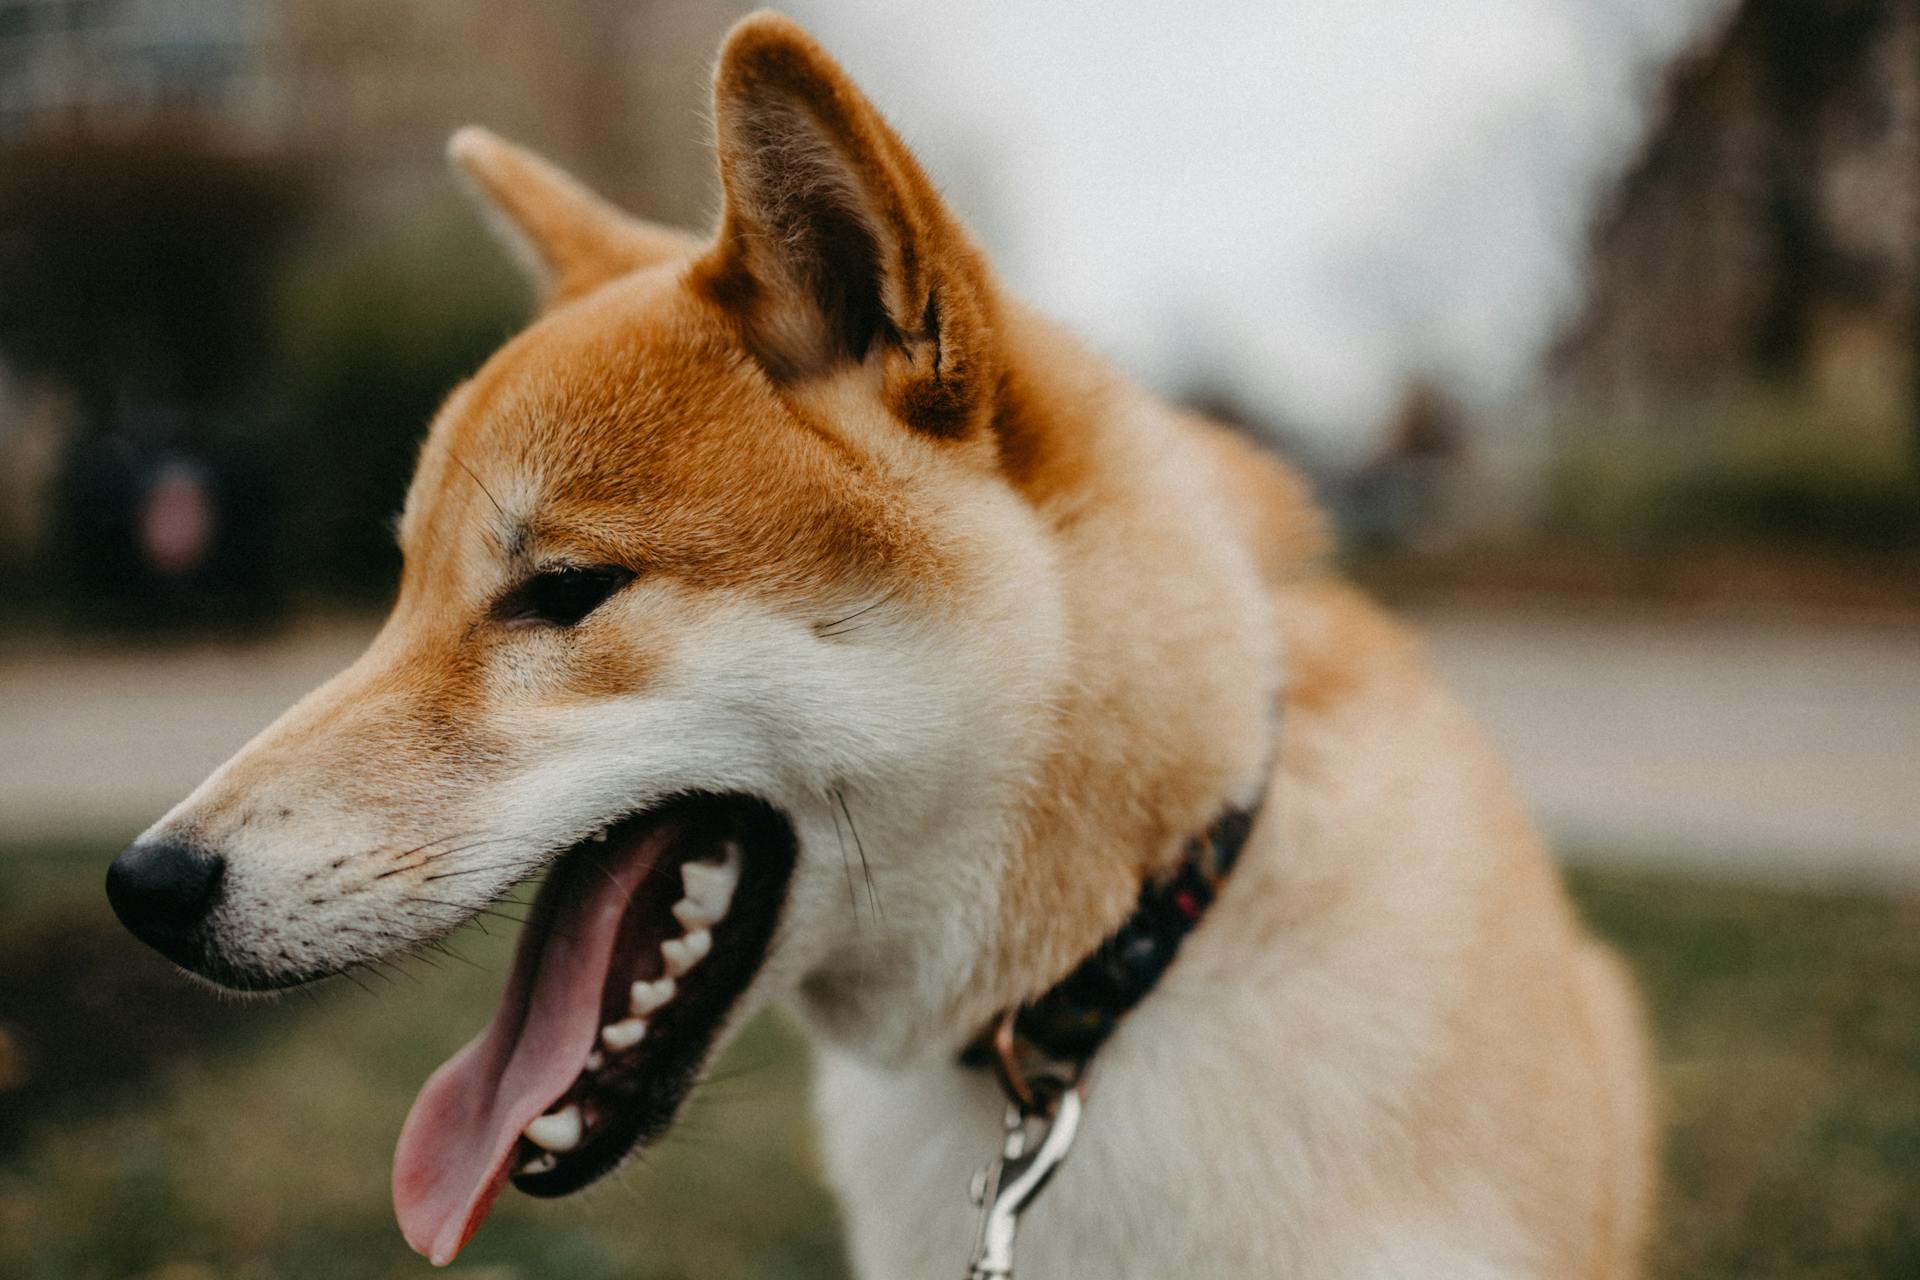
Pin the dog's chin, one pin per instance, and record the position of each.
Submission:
(632, 966)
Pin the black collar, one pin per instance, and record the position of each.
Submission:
(1065, 1027)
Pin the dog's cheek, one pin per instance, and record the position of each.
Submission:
(624, 649)
(629, 652)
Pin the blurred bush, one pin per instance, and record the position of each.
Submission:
(243, 368)
(136, 278)
(141, 266)
(375, 328)
(1770, 465)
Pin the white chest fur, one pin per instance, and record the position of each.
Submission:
(1243, 1130)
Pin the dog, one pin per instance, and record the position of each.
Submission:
(835, 632)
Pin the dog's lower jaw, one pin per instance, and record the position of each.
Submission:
(887, 1020)
(876, 959)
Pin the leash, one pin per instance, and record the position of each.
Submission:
(1040, 1051)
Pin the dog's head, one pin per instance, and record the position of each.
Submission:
(718, 605)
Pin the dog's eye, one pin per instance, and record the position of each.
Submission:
(562, 597)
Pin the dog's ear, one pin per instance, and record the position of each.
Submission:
(834, 248)
(569, 239)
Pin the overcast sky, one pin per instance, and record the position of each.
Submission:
(1311, 200)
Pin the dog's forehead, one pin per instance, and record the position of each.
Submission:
(627, 425)
(603, 391)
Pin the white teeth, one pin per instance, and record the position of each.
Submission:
(599, 837)
(648, 996)
(623, 1034)
(559, 1131)
(539, 1164)
(681, 954)
(596, 1060)
(696, 915)
(711, 884)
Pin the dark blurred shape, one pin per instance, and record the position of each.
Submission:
(161, 526)
(138, 270)
(136, 276)
(1391, 500)
(1400, 493)
(1745, 367)
(236, 278)
(1772, 223)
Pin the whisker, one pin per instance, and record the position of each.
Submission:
(471, 871)
(428, 844)
(738, 1071)
(873, 899)
(828, 628)
(415, 866)
(440, 945)
(846, 863)
(490, 498)
(593, 860)
(464, 848)
(461, 907)
(471, 915)
(384, 964)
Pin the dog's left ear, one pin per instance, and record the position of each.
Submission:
(569, 239)
(834, 248)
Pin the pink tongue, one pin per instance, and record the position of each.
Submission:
(454, 1149)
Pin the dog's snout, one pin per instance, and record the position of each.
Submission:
(162, 891)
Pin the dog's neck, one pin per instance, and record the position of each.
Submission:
(1147, 590)
(1164, 717)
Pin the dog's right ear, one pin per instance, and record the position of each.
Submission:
(835, 250)
(569, 239)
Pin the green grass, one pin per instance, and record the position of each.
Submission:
(253, 1140)
(1789, 1036)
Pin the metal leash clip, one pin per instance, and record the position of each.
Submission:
(1035, 1145)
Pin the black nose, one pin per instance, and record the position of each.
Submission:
(162, 892)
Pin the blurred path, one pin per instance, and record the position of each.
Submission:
(98, 741)
(1748, 748)
(1760, 749)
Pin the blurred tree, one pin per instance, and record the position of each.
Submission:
(378, 325)
(1750, 343)
(1765, 232)
(140, 267)
(137, 274)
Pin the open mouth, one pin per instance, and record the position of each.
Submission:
(640, 943)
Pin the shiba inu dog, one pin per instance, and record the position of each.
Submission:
(833, 631)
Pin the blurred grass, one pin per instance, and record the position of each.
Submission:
(1789, 1039)
(1789, 1027)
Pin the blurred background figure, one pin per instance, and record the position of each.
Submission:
(1596, 324)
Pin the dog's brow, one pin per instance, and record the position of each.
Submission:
(515, 536)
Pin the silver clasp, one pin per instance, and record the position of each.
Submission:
(1034, 1146)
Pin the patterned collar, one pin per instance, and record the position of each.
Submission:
(1060, 1031)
